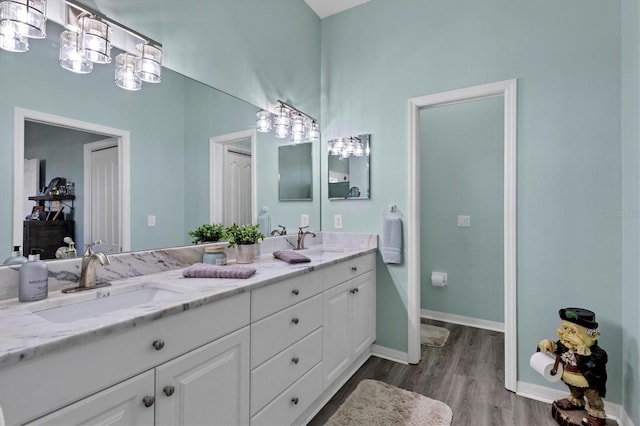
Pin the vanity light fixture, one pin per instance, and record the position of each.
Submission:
(25, 17)
(12, 41)
(126, 75)
(288, 120)
(95, 39)
(149, 63)
(346, 147)
(71, 56)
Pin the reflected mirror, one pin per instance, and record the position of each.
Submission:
(348, 163)
(295, 172)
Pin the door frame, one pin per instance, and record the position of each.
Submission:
(217, 148)
(123, 138)
(87, 149)
(508, 90)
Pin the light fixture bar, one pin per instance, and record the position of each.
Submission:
(297, 110)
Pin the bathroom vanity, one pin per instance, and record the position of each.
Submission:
(271, 349)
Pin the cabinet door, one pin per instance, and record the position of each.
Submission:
(336, 345)
(121, 404)
(363, 319)
(207, 386)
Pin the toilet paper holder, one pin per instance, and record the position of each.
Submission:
(438, 279)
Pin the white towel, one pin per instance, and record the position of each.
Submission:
(391, 249)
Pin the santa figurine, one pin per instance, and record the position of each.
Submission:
(584, 366)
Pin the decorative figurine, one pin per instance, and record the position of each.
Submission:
(584, 368)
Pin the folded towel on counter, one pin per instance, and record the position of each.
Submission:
(205, 270)
(391, 249)
(290, 256)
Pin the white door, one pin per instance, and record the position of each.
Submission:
(102, 196)
(31, 183)
(121, 404)
(237, 187)
(207, 386)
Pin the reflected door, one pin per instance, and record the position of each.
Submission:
(105, 199)
(237, 187)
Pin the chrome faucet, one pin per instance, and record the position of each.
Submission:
(301, 235)
(88, 269)
(281, 231)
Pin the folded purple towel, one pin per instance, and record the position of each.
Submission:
(290, 256)
(204, 270)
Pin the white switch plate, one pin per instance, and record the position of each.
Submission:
(304, 220)
(337, 221)
(151, 220)
(464, 221)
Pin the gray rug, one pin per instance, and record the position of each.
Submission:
(431, 335)
(374, 403)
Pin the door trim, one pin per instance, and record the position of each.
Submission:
(124, 167)
(508, 90)
(216, 173)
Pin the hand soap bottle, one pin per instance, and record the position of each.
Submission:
(33, 280)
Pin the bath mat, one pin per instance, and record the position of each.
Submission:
(434, 336)
(374, 403)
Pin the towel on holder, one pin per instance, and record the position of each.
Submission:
(290, 256)
(391, 249)
(205, 270)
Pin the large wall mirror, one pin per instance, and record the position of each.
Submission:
(167, 127)
(348, 160)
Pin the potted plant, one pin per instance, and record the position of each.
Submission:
(208, 233)
(245, 237)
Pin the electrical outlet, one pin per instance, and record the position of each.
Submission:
(337, 221)
(151, 220)
(464, 221)
(304, 220)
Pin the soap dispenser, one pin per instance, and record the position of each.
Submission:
(16, 257)
(33, 279)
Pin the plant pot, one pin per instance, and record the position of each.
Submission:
(245, 253)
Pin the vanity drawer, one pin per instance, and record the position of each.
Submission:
(278, 331)
(275, 375)
(291, 403)
(275, 297)
(346, 270)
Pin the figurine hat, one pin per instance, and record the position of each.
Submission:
(580, 316)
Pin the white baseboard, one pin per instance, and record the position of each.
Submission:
(390, 354)
(548, 395)
(626, 420)
(462, 320)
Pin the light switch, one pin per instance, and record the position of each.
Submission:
(337, 221)
(151, 220)
(464, 221)
(304, 220)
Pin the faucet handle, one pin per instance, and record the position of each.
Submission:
(88, 251)
(300, 228)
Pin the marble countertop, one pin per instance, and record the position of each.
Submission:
(25, 335)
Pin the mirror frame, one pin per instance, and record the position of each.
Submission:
(124, 169)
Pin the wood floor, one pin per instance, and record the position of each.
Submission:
(467, 374)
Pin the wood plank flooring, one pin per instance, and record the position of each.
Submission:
(467, 374)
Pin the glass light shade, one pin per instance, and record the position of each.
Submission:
(314, 131)
(149, 63)
(26, 17)
(70, 56)
(358, 151)
(281, 131)
(282, 116)
(95, 39)
(126, 75)
(297, 128)
(11, 41)
(338, 144)
(263, 121)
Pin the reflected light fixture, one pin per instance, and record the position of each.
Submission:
(126, 75)
(288, 120)
(25, 17)
(347, 147)
(12, 41)
(71, 56)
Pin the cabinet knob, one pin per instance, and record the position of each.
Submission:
(158, 344)
(295, 400)
(295, 320)
(295, 292)
(295, 360)
(354, 269)
(168, 390)
(148, 401)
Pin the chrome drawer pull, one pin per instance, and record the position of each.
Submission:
(353, 291)
(294, 400)
(168, 390)
(354, 269)
(295, 360)
(158, 344)
(295, 292)
(148, 401)
(295, 320)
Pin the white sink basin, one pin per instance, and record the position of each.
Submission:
(103, 300)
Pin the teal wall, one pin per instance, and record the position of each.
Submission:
(631, 208)
(461, 167)
(569, 141)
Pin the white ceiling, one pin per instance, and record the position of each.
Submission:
(324, 8)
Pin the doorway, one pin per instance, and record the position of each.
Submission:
(507, 90)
